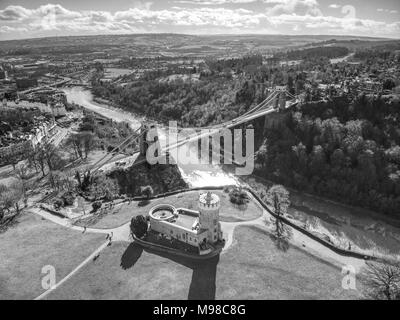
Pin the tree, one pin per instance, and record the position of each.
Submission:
(388, 84)
(277, 197)
(82, 143)
(382, 281)
(61, 181)
(262, 154)
(139, 226)
(52, 156)
(3, 206)
(238, 196)
(10, 198)
(11, 158)
(48, 155)
(96, 206)
(104, 188)
(21, 172)
(147, 192)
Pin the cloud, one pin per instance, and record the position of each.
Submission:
(334, 6)
(7, 29)
(280, 16)
(214, 2)
(12, 13)
(387, 10)
(335, 25)
(302, 7)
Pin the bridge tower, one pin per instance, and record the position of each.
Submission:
(282, 100)
(143, 143)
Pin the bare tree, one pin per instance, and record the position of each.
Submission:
(10, 198)
(3, 206)
(61, 181)
(23, 175)
(48, 155)
(277, 197)
(382, 281)
(82, 143)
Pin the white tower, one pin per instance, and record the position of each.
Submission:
(209, 205)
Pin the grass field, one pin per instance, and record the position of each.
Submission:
(229, 212)
(252, 269)
(33, 243)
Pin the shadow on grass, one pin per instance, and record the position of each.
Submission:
(131, 256)
(202, 286)
(143, 203)
(281, 244)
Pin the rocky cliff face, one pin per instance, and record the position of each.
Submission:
(161, 178)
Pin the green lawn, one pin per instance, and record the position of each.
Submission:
(33, 243)
(252, 269)
(229, 212)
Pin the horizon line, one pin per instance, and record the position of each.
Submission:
(204, 35)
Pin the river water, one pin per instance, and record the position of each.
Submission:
(345, 226)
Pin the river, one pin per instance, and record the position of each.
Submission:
(194, 175)
(345, 58)
(344, 225)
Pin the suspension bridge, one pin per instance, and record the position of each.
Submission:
(279, 99)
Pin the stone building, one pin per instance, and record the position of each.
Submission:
(200, 229)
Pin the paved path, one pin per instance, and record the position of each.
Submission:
(122, 233)
(117, 234)
(86, 261)
(298, 239)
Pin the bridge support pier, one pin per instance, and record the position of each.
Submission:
(282, 101)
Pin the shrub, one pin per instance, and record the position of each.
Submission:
(68, 199)
(58, 203)
(238, 196)
(139, 226)
(104, 188)
(146, 191)
(96, 205)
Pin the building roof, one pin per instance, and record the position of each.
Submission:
(183, 218)
(209, 199)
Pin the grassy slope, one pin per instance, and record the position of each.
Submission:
(252, 269)
(33, 243)
(229, 212)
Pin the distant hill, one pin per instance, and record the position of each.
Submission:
(177, 44)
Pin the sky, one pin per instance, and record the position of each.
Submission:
(21, 19)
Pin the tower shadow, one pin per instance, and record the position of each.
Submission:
(131, 256)
(203, 283)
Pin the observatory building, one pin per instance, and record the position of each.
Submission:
(200, 229)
